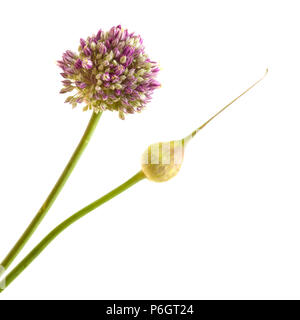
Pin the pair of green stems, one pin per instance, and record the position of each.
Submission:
(7, 280)
(60, 184)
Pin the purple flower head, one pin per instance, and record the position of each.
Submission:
(110, 71)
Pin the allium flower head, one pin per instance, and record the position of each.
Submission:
(111, 71)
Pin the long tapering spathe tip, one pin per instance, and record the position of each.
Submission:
(189, 137)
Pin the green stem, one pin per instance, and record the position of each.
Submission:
(64, 225)
(53, 194)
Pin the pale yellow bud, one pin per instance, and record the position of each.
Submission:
(140, 72)
(162, 161)
(118, 86)
(93, 46)
(123, 59)
(110, 56)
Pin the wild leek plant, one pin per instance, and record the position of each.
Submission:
(110, 71)
(160, 162)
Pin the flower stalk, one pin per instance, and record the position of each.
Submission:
(54, 193)
(65, 224)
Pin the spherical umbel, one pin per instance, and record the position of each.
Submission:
(111, 71)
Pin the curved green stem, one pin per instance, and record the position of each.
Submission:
(53, 194)
(64, 225)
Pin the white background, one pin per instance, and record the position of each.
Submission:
(227, 227)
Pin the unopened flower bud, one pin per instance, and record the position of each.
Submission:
(123, 59)
(162, 161)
